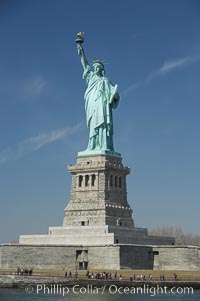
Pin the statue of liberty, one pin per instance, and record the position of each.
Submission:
(100, 98)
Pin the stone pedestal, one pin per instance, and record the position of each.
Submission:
(98, 212)
(98, 193)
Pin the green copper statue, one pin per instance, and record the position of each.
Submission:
(100, 98)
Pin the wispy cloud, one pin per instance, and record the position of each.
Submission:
(166, 67)
(172, 65)
(169, 66)
(34, 143)
(130, 89)
(24, 88)
(34, 86)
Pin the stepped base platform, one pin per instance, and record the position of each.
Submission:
(91, 235)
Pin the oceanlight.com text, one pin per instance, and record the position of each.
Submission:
(58, 289)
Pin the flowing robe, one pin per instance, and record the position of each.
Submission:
(100, 98)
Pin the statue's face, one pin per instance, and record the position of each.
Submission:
(98, 70)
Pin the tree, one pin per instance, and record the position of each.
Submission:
(181, 237)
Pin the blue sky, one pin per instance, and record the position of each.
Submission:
(151, 49)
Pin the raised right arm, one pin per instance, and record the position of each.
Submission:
(81, 52)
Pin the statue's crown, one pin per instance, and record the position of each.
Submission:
(98, 62)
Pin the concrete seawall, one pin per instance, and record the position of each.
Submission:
(15, 281)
